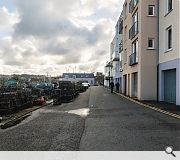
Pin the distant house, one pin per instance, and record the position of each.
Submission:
(76, 77)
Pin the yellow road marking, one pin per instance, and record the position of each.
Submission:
(151, 107)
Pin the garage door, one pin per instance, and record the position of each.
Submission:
(170, 86)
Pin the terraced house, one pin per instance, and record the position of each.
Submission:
(140, 49)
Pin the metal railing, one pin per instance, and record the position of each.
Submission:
(109, 65)
(120, 46)
(115, 59)
(133, 30)
(120, 64)
(133, 59)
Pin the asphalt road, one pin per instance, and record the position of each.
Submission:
(96, 120)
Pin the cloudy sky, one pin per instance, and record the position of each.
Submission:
(55, 36)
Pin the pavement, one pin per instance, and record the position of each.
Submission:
(96, 120)
(165, 106)
(170, 107)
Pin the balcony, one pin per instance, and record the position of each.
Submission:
(121, 46)
(120, 64)
(132, 5)
(133, 31)
(109, 65)
(133, 59)
(115, 59)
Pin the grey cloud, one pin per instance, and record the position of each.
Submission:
(55, 49)
(99, 53)
(90, 67)
(84, 68)
(46, 22)
(13, 62)
(69, 59)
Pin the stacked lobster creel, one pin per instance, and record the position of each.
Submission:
(57, 97)
(80, 87)
(42, 92)
(67, 90)
(76, 90)
(13, 99)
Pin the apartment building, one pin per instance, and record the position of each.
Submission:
(108, 74)
(116, 51)
(115, 59)
(140, 53)
(169, 51)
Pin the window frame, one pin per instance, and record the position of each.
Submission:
(153, 43)
(169, 42)
(168, 9)
(126, 33)
(126, 10)
(151, 6)
(135, 48)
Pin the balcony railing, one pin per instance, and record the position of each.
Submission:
(120, 46)
(109, 65)
(133, 30)
(132, 5)
(133, 59)
(120, 64)
(115, 57)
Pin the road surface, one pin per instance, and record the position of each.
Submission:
(96, 120)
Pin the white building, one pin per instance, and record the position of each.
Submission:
(108, 74)
(77, 77)
(116, 52)
(169, 51)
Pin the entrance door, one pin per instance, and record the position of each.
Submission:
(170, 86)
(125, 84)
(128, 85)
(135, 84)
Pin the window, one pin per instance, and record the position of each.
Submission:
(117, 27)
(132, 5)
(133, 58)
(151, 10)
(125, 10)
(74, 76)
(135, 17)
(151, 43)
(169, 37)
(135, 49)
(125, 35)
(134, 29)
(66, 76)
(169, 5)
(125, 56)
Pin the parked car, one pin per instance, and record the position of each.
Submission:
(85, 84)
